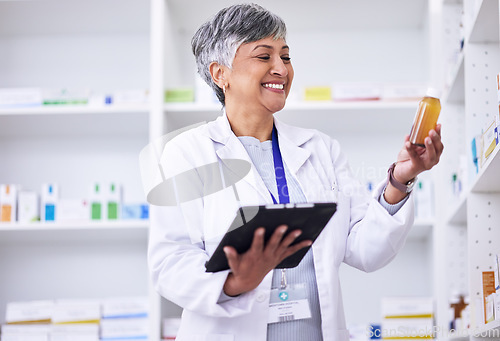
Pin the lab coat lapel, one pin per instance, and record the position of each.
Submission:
(233, 149)
(290, 140)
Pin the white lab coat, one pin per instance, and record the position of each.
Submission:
(183, 237)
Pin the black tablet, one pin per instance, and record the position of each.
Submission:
(311, 218)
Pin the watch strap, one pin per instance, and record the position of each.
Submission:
(405, 188)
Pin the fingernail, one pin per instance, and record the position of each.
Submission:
(298, 233)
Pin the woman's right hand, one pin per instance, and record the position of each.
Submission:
(249, 269)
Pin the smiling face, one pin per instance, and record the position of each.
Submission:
(260, 77)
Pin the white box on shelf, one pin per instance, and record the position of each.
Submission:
(422, 307)
(132, 96)
(28, 207)
(20, 97)
(24, 337)
(73, 337)
(122, 307)
(496, 304)
(489, 308)
(116, 328)
(75, 332)
(76, 311)
(403, 92)
(29, 311)
(356, 91)
(72, 210)
(478, 313)
(26, 328)
(407, 327)
(424, 199)
(65, 96)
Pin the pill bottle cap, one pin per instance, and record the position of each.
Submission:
(433, 92)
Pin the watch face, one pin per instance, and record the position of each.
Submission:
(410, 185)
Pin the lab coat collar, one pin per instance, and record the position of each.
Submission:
(220, 131)
(290, 139)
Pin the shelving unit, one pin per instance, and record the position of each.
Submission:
(104, 47)
(471, 221)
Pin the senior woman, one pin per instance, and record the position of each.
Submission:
(243, 55)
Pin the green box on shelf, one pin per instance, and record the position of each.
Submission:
(179, 95)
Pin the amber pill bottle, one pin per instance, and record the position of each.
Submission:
(426, 117)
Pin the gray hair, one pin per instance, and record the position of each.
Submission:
(218, 39)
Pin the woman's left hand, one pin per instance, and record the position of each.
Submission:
(413, 159)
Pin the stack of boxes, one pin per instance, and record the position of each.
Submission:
(105, 203)
(408, 318)
(36, 97)
(124, 319)
(114, 319)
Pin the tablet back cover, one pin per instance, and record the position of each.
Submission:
(310, 218)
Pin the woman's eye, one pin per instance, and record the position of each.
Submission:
(286, 58)
(264, 57)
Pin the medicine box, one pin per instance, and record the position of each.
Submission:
(124, 328)
(125, 307)
(418, 307)
(29, 311)
(179, 95)
(8, 203)
(318, 93)
(76, 311)
(28, 207)
(356, 92)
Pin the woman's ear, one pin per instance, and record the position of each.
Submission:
(217, 72)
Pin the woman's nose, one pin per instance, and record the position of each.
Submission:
(279, 68)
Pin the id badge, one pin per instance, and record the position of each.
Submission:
(289, 304)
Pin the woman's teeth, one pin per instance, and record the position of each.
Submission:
(274, 86)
